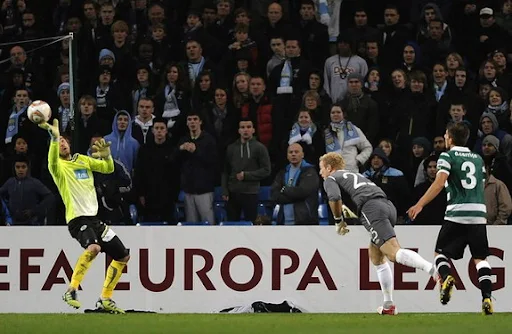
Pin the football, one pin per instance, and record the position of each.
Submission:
(39, 111)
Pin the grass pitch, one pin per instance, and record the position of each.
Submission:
(255, 323)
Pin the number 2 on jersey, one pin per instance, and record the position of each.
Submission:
(357, 184)
(469, 168)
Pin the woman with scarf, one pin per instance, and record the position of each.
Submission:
(306, 133)
(173, 101)
(497, 104)
(144, 87)
(343, 137)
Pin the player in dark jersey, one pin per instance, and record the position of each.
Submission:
(462, 172)
(378, 216)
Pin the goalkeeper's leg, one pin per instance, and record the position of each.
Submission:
(119, 253)
(81, 268)
(385, 276)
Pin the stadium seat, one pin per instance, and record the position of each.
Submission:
(133, 214)
(193, 224)
(220, 212)
(236, 223)
(264, 195)
(217, 196)
(275, 212)
(152, 224)
(320, 196)
(6, 214)
(265, 205)
(323, 214)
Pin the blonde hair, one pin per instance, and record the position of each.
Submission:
(333, 159)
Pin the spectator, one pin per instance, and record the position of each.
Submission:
(497, 200)
(361, 31)
(489, 126)
(221, 122)
(360, 108)
(157, 176)
(87, 124)
(504, 16)
(198, 159)
(173, 100)
(195, 62)
(497, 104)
(63, 108)
(295, 190)
(111, 190)
(308, 135)
(241, 89)
(432, 213)
(338, 67)
(27, 198)
(143, 122)
(392, 181)
(145, 86)
(288, 80)
(247, 163)
(347, 139)
(498, 164)
(314, 35)
(123, 147)
(278, 54)
(17, 119)
(261, 112)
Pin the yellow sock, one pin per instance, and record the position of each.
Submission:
(81, 267)
(114, 272)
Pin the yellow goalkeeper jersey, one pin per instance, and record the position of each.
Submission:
(75, 181)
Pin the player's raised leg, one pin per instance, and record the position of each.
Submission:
(81, 268)
(407, 257)
(115, 248)
(385, 277)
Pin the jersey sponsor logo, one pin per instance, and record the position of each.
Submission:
(81, 174)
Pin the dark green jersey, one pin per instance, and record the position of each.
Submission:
(465, 186)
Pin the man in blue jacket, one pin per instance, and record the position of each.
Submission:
(26, 197)
(295, 189)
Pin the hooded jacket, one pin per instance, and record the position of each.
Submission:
(124, 147)
(392, 181)
(250, 157)
(505, 138)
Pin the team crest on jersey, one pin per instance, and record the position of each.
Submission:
(81, 174)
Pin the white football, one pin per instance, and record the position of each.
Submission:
(39, 111)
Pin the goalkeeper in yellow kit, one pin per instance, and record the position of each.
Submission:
(73, 176)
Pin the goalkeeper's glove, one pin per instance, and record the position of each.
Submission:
(341, 225)
(347, 213)
(53, 130)
(101, 149)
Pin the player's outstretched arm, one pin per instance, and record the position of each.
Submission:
(431, 193)
(102, 162)
(53, 151)
(53, 130)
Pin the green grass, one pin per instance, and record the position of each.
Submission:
(255, 323)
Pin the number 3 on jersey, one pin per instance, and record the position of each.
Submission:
(355, 179)
(470, 181)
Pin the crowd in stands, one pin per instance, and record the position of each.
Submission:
(219, 110)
